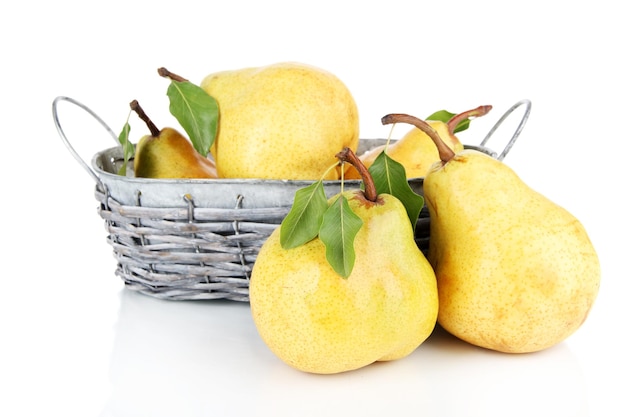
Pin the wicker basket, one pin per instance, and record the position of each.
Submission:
(198, 239)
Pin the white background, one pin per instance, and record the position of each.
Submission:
(75, 343)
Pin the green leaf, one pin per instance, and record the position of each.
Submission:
(127, 146)
(303, 221)
(196, 111)
(390, 178)
(445, 116)
(339, 228)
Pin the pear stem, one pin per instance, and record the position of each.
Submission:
(154, 131)
(445, 153)
(477, 112)
(164, 72)
(369, 189)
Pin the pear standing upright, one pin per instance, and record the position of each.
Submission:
(285, 107)
(318, 320)
(166, 153)
(515, 271)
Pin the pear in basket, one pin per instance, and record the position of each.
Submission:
(416, 151)
(515, 271)
(166, 153)
(321, 319)
(267, 112)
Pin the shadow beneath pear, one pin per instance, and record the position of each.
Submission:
(482, 381)
(445, 376)
(206, 358)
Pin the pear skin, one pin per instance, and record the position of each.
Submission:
(268, 111)
(516, 272)
(319, 322)
(415, 150)
(170, 155)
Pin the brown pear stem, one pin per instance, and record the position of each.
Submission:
(164, 72)
(154, 131)
(369, 189)
(477, 112)
(445, 153)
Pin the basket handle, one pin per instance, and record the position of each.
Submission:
(518, 130)
(57, 123)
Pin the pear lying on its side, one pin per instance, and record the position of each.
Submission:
(515, 271)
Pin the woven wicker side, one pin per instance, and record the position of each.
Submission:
(187, 252)
(169, 247)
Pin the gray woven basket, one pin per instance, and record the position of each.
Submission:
(198, 239)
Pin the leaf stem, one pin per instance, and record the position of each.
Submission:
(445, 153)
(164, 72)
(347, 155)
(330, 168)
(477, 112)
(154, 131)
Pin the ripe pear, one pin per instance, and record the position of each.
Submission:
(317, 321)
(166, 153)
(416, 151)
(266, 111)
(516, 272)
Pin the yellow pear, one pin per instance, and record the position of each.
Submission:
(268, 111)
(516, 272)
(166, 153)
(415, 150)
(317, 321)
(170, 155)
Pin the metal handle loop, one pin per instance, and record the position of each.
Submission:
(518, 130)
(67, 143)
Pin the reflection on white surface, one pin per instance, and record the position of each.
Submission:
(175, 358)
